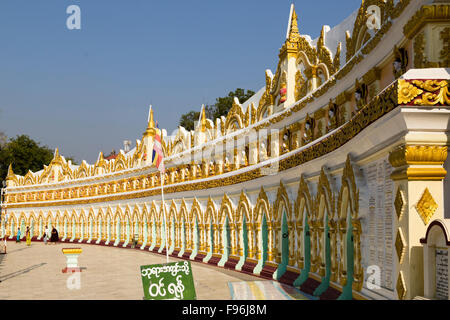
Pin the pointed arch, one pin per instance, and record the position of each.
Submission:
(66, 221)
(282, 206)
(127, 225)
(263, 241)
(91, 225)
(282, 201)
(226, 210)
(196, 211)
(303, 213)
(82, 225)
(262, 206)
(350, 269)
(324, 230)
(244, 208)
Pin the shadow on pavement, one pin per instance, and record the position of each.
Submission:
(20, 272)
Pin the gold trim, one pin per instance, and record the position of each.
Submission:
(72, 251)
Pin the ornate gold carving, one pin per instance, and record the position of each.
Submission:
(235, 118)
(400, 246)
(401, 286)
(418, 155)
(424, 155)
(300, 86)
(424, 93)
(426, 207)
(426, 14)
(437, 92)
(379, 106)
(266, 99)
(360, 34)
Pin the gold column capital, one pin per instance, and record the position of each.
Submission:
(418, 162)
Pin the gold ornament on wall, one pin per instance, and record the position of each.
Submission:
(401, 286)
(400, 246)
(399, 203)
(426, 207)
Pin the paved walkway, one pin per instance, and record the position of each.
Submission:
(112, 273)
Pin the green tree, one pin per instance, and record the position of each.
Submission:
(224, 104)
(24, 154)
(188, 120)
(217, 110)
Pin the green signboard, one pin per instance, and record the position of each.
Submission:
(170, 281)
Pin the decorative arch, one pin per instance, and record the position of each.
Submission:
(361, 34)
(91, 228)
(66, 221)
(41, 223)
(32, 223)
(118, 224)
(266, 99)
(120, 163)
(244, 231)
(58, 219)
(82, 225)
(324, 231)
(196, 212)
(127, 225)
(303, 213)
(282, 205)
(73, 224)
(235, 118)
(262, 209)
(173, 225)
(184, 226)
(349, 230)
(136, 223)
(48, 220)
(109, 223)
(244, 207)
(262, 204)
(29, 179)
(12, 225)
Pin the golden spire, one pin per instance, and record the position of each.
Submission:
(10, 172)
(150, 131)
(203, 119)
(293, 34)
(56, 158)
(290, 46)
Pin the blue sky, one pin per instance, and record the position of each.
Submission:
(87, 90)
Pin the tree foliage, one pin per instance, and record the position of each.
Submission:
(24, 154)
(217, 110)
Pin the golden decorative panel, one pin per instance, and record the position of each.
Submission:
(426, 207)
(401, 286)
(400, 246)
(399, 203)
(424, 93)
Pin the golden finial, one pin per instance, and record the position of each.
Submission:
(203, 119)
(56, 158)
(150, 131)
(10, 172)
(293, 34)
